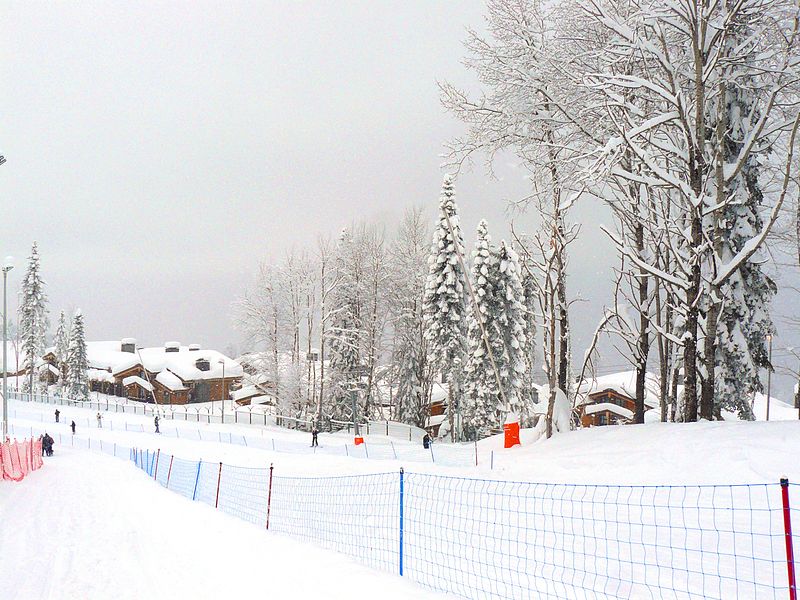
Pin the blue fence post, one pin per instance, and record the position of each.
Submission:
(402, 524)
(197, 479)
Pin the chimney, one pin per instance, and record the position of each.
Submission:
(172, 346)
(194, 347)
(128, 345)
(202, 364)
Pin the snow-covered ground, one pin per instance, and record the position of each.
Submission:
(82, 495)
(92, 527)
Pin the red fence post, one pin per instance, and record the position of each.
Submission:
(219, 478)
(269, 494)
(155, 471)
(787, 527)
(171, 458)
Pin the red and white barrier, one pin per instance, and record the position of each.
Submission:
(17, 459)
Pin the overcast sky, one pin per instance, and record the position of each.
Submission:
(158, 151)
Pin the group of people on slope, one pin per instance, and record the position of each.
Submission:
(47, 444)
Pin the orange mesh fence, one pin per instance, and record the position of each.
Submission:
(17, 459)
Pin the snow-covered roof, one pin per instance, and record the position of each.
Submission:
(247, 391)
(614, 408)
(623, 383)
(99, 375)
(170, 381)
(135, 380)
(439, 392)
(183, 363)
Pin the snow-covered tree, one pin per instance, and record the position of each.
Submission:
(77, 382)
(523, 108)
(511, 321)
(530, 302)
(33, 316)
(410, 365)
(61, 350)
(699, 125)
(483, 409)
(445, 298)
(344, 333)
(744, 319)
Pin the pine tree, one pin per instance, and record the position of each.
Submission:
(33, 316)
(445, 298)
(61, 344)
(344, 335)
(511, 323)
(77, 382)
(483, 410)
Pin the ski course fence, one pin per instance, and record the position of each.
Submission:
(18, 459)
(455, 455)
(512, 540)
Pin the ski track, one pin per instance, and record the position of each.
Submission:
(88, 526)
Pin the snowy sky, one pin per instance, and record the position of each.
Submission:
(158, 151)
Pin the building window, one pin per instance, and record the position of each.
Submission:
(602, 419)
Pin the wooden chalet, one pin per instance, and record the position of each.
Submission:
(172, 374)
(610, 400)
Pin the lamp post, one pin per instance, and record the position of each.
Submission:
(222, 393)
(8, 264)
(769, 372)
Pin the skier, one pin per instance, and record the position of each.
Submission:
(99, 421)
(426, 441)
(314, 433)
(72, 425)
(155, 420)
(58, 413)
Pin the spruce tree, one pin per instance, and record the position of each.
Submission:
(445, 298)
(77, 382)
(33, 317)
(61, 343)
(483, 411)
(511, 324)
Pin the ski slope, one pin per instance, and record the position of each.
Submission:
(89, 526)
(447, 537)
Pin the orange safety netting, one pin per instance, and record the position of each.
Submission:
(17, 459)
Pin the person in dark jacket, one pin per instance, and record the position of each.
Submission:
(155, 421)
(72, 425)
(47, 444)
(426, 441)
(58, 413)
(314, 434)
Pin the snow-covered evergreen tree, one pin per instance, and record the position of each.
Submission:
(483, 410)
(343, 335)
(33, 317)
(61, 343)
(511, 326)
(744, 320)
(445, 298)
(77, 383)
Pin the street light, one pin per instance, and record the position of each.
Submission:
(769, 372)
(8, 264)
(222, 394)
